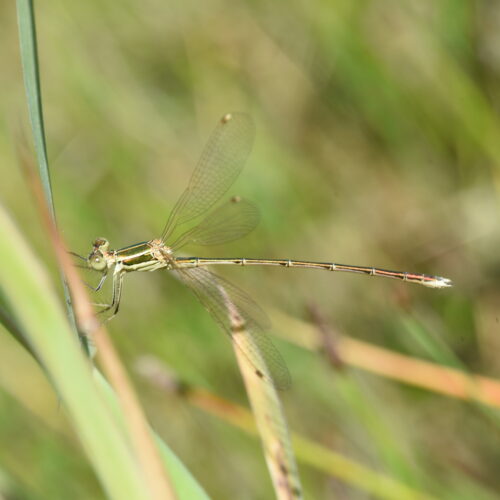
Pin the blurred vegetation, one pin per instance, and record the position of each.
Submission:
(378, 143)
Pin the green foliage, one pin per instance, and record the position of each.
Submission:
(377, 144)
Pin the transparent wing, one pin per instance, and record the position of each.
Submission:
(214, 293)
(229, 222)
(218, 167)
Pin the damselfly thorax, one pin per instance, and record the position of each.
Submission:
(146, 256)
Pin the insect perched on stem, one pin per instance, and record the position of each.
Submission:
(220, 164)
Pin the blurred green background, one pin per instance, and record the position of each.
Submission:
(378, 143)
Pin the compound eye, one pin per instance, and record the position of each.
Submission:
(98, 262)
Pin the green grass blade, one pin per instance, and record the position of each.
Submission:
(29, 58)
(32, 301)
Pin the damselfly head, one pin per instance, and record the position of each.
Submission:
(97, 258)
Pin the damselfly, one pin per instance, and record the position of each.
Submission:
(220, 164)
